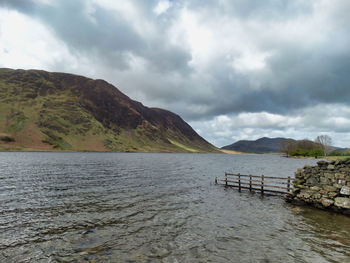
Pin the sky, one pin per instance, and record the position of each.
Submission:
(233, 69)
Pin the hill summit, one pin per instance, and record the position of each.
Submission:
(262, 145)
(41, 110)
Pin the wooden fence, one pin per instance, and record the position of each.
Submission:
(270, 184)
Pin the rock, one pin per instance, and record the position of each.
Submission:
(345, 169)
(327, 202)
(304, 195)
(323, 186)
(315, 188)
(345, 190)
(299, 181)
(339, 176)
(332, 194)
(312, 180)
(324, 180)
(329, 175)
(330, 167)
(316, 195)
(322, 163)
(323, 192)
(342, 202)
(330, 188)
(337, 186)
(296, 190)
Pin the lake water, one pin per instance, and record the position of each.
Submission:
(131, 207)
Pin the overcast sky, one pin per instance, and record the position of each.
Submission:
(233, 69)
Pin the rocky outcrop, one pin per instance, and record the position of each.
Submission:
(325, 186)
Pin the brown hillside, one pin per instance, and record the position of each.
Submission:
(58, 111)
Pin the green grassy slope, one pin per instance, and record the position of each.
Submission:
(56, 111)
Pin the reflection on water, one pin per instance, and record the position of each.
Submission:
(119, 207)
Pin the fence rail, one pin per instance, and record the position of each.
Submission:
(270, 184)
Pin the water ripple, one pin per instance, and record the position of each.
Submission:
(115, 207)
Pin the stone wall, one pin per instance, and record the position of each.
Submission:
(325, 186)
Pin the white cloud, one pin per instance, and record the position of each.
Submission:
(162, 7)
(310, 122)
(25, 43)
(247, 62)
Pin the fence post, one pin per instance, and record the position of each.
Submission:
(239, 182)
(288, 184)
(225, 179)
(250, 182)
(262, 184)
(216, 180)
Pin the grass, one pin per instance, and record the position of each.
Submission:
(230, 151)
(48, 114)
(339, 157)
(186, 148)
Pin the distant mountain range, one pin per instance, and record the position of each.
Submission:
(47, 111)
(262, 145)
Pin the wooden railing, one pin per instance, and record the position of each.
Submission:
(270, 184)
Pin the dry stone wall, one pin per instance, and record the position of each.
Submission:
(325, 186)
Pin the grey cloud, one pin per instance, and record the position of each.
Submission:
(25, 6)
(308, 70)
(267, 10)
(111, 39)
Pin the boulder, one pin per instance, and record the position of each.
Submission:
(342, 202)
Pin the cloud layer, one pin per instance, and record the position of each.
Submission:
(233, 69)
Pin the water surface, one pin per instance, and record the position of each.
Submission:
(131, 207)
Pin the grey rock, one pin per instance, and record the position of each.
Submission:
(339, 186)
(330, 188)
(332, 194)
(342, 202)
(345, 190)
(330, 167)
(324, 180)
(321, 163)
(327, 202)
(315, 188)
(312, 180)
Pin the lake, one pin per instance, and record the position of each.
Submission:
(145, 207)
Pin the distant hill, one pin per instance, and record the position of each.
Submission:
(267, 145)
(262, 145)
(40, 110)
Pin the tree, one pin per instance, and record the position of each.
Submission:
(325, 143)
(287, 146)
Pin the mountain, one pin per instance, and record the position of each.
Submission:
(40, 110)
(262, 145)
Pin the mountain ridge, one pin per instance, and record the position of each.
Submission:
(43, 110)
